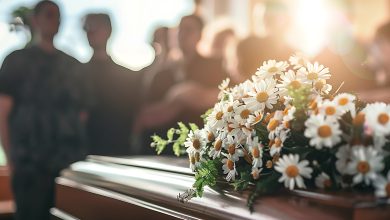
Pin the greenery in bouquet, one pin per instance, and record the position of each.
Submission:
(285, 128)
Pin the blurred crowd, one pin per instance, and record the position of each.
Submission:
(55, 110)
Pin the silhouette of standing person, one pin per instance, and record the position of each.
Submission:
(114, 90)
(40, 118)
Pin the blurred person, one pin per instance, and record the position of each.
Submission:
(114, 90)
(161, 46)
(220, 42)
(184, 91)
(381, 64)
(249, 55)
(41, 123)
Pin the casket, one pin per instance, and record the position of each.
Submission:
(147, 188)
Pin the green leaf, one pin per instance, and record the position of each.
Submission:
(159, 143)
(193, 126)
(170, 134)
(206, 175)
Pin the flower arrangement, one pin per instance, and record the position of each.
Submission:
(284, 128)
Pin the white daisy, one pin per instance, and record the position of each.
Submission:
(271, 68)
(365, 164)
(209, 132)
(291, 80)
(241, 90)
(292, 171)
(346, 103)
(195, 159)
(233, 148)
(378, 117)
(298, 60)
(330, 109)
(323, 181)
(242, 114)
(264, 95)
(288, 115)
(343, 156)
(195, 141)
(217, 118)
(255, 118)
(256, 149)
(382, 187)
(276, 144)
(274, 123)
(322, 131)
(216, 150)
(223, 87)
(321, 87)
(315, 72)
(229, 168)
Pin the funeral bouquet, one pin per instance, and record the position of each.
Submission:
(285, 128)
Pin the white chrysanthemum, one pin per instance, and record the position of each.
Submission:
(276, 144)
(255, 118)
(223, 87)
(256, 149)
(365, 164)
(288, 115)
(216, 149)
(195, 141)
(330, 109)
(322, 131)
(274, 123)
(382, 186)
(343, 156)
(315, 72)
(321, 87)
(230, 108)
(377, 117)
(195, 159)
(292, 171)
(209, 133)
(239, 131)
(323, 181)
(264, 95)
(271, 68)
(291, 80)
(242, 114)
(241, 90)
(233, 148)
(298, 60)
(346, 103)
(229, 168)
(217, 118)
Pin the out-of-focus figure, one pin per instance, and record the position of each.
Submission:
(220, 42)
(184, 90)
(41, 124)
(380, 62)
(114, 90)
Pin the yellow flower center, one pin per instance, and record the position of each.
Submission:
(219, 116)
(256, 152)
(273, 70)
(273, 124)
(258, 118)
(230, 108)
(218, 145)
(319, 84)
(363, 167)
(230, 164)
(359, 119)
(232, 149)
(295, 84)
(278, 142)
(196, 143)
(312, 76)
(262, 97)
(343, 101)
(388, 190)
(324, 131)
(292, 171)
(285, 111)
(383, 118)
(330, 110)
(245, 114)
(210, 136)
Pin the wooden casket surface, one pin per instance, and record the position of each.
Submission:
(147, 188)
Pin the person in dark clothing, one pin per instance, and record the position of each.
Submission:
(41, 125)
(114, 91)
(184, 90)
